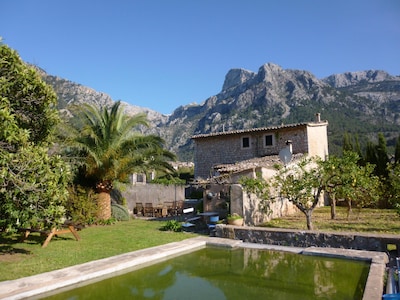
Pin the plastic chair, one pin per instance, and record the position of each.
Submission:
(212, 223)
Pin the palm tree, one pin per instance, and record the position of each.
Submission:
(111, 149)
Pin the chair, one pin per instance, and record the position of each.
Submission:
(170, 207)
(212, 223)
(148, 210)
(179, 207)
(139, 208)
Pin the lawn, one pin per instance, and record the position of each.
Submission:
(365, 220)
(28, 258)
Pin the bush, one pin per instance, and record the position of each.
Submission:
(82, 205)
(119, 212)
(172, 225)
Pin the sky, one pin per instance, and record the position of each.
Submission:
(161, 54)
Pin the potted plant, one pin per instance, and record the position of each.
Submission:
(235, 219)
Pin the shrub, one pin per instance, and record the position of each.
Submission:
(172, 225)
(82, 205)
(119, 212)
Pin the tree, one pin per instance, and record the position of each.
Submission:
(397, 151)
(110, 149)
(301, 183)
(382, 158)
(32, 182)
(344, 178)
(28, 98)
(394, 177)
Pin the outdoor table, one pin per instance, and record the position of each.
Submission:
(67, 228)
(208, 213)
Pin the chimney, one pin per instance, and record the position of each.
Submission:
(318, 117)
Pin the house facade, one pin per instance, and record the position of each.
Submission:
(222, 158)
(231, 147)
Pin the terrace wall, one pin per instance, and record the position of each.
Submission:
(301, 238)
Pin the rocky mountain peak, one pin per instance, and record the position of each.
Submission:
(236, 77)
(354, 78)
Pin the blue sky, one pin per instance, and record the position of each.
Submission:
(161, 54)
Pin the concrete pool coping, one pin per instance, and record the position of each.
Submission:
(35, 286)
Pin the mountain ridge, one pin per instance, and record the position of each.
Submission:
(362, 103)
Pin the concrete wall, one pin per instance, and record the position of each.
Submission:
(152, 193)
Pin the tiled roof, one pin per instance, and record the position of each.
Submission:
(265, 161)
(241, 131)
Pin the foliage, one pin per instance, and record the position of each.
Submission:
(259, 187)
(107, 149)
(394, 179)
(32, 188)
(110, 148)
(234, 216)
(304, 182)
(169, 181)
(172, 225)
(397, 151)
(33, 183)
(24, 95)
(345, 179)
(81, 205)
(301, 184)
(119, 212)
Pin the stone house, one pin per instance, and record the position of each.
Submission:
(222, 158)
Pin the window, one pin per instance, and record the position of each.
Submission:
(246, 142)
(269, 140)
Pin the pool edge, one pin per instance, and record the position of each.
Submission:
(36, 285)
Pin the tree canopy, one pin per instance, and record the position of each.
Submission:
(304, 183)
(32, 182)
(109, 149)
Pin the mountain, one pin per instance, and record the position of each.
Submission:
(360, 103)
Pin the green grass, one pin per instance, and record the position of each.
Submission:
(21, 259)
(28, 258)
(365, 220)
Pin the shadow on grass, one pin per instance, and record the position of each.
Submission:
(9, 242)
(8, 245)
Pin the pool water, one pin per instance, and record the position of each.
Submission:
(218, 273)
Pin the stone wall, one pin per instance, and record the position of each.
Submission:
(152, 193)
(226, 148)
(231, 198)
(299, 238)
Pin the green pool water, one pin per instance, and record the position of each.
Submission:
(215, 273)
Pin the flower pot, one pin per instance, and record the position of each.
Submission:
(236, 222)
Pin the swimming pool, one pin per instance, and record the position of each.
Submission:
(241, 273)
(39, 286)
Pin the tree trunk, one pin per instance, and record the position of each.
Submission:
(349, 210)
(309, 220)
(104, 206)
(333, 206)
